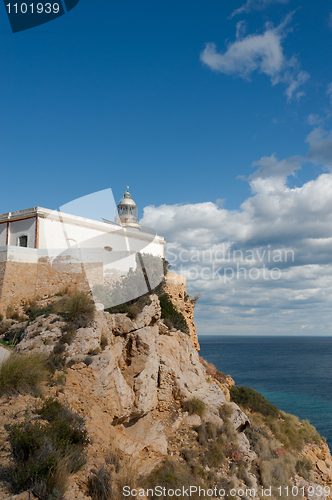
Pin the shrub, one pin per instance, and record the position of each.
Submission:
(34, 310)
(133, 311)
(5, 343)
(292, 433)
(45, 454)
(168, 312)
(13, 335)
(61, 378)
(103, 342)
(195, 406)
(77, 308)
(100, 485)
(188, 455)
(23, 373)
(211, 430)
(225, 411)
(68, 335)
(253, 400)
(202, 435)
(172, 475)
(12, 313)
(215, 455)
(277, 472)
(57, 360)
(303, 467)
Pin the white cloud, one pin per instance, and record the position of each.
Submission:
(269, 166)
(329, 92)
(315, 119)
(278, 227)
(255, 5)
(258, 52)
(294, 82)
(320, 150)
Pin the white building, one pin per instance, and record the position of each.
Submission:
(43, 250)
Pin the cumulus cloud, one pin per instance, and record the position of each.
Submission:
(258, 52)
(320, 150)
(269, 166)
(255, 5)
(264, 268)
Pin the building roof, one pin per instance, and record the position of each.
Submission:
(109, 226)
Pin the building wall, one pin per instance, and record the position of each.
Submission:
(26, 226)
(72, 251)
(21, 281)
(3, 234)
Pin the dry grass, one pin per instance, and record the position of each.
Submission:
(195, 406)
(75, 307)
(23, 373)
(45, 454)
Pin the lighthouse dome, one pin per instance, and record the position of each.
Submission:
(127, 211)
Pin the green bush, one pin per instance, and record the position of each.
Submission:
(131, 308)
(34, 310)
(13, 335)
(23, 373)
(45, 454)
(78, 307)
(292, 433)
(171, 315)
(5, 343)
(253, 400)
(195, 406)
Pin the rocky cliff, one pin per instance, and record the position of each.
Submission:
(152, 409)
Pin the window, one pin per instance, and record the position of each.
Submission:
(22, 240)
(71, 243)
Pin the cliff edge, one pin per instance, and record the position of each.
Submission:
(144, 410)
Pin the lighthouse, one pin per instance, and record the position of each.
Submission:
(127, 211)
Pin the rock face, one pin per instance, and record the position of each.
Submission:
(176, 289)
(128, 378)
(143, 364)
(319, 456)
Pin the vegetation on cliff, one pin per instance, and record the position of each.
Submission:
(23, 374)
(47, 450)
(126, 399)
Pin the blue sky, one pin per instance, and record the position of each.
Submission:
(179, 99)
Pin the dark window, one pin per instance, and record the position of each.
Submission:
(23, 241)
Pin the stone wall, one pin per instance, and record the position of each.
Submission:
(176, 289)
(21, 281)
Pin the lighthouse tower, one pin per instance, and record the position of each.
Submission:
(127, 211)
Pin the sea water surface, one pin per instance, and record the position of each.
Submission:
(294, 373)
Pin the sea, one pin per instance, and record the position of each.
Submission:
(294, 373)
